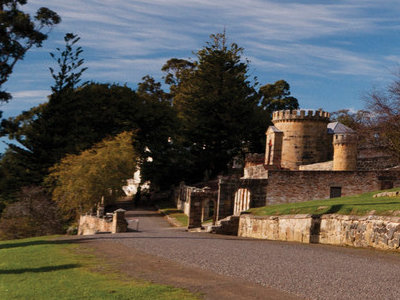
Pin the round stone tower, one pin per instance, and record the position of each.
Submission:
(345, 150)
(305, 139)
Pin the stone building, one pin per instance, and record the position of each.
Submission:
(307, 157)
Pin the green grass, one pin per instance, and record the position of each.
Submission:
(177, 215)
(362, 204)
(42, 268)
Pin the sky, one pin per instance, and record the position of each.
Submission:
(332, 53)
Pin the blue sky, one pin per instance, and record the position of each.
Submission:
(331, 52)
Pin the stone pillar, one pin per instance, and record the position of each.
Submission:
(195, 210)
(119, 222)
(273, 148)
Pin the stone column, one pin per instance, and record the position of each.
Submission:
(119, 222)
(195, 210)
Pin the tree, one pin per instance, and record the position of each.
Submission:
(276, 96)
(69, 63)
(163, 158)
(18, 33)
(215, 101)
(384, 106)
(82, 180)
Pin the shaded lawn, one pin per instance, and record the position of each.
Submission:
(170, 209)
(43, 268)
(177, 214)
(362, 204)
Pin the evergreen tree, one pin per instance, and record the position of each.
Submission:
(216, 102)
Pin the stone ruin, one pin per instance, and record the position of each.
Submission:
(307, 157)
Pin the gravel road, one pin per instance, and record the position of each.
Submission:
(310, 271)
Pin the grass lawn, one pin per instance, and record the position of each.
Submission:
(362, 204)
(177, 214)
(44, 268)
(169, 209)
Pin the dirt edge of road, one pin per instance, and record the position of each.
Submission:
(141, 266)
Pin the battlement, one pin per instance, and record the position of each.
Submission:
(287, 115)
(345, 138)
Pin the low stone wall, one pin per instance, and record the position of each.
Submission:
(296, 228)
(367, 231)
(255, 171)
(358, 231)
(323, 166)
(89, 224)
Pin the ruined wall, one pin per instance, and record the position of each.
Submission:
(358, 231)
(89, 225)
(256, 172)
(296, 186)
(323, 166)
(197, 204)
(365, 231)
(296, 228)
(228, 187)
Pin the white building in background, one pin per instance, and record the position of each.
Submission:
(132, 184)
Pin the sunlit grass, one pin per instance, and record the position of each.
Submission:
(44, 268)
(362, 204)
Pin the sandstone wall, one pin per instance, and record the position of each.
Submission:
(358, 231)
(295, 186)
(256, 172)
(323, 166)
(91, 225)
(297, 228)
(368, 231)
(305, 138)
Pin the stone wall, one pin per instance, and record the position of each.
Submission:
(323, 166)
(256, 171)
(367, 231)
(296, 186)
(198, 201)
(89, 225)
(358, 231)
(297, 228)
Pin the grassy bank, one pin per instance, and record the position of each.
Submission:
(42, 268)
(362, 204)
(177, 214)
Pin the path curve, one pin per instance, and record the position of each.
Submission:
(307, 270)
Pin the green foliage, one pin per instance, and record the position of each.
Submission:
(81, 180)
(362, 204)
(68, 75)
(18, 33)
(34, 214)
(215, 101)
(41, 268)
(276, 96)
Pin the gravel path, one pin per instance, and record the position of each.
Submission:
(311, 271)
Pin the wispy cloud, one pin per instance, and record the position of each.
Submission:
(125, 40)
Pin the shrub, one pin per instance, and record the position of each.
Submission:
(34, 214)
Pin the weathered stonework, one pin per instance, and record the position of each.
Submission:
(297, 228)
(89, 225)
(297, 186)
(368, 231)
(378, 232)
(305, 138)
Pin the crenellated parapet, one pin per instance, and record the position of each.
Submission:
(344, 138)
(293, 115)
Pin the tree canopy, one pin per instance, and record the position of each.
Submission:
(82, 180)
(18, 33)
(215, 100)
